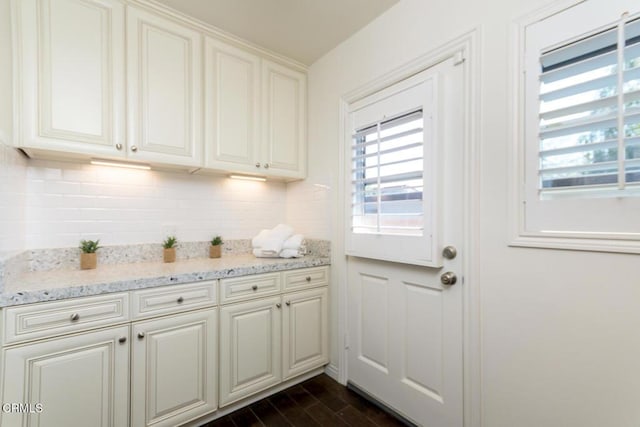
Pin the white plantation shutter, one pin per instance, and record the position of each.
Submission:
(387, 171)
(589, 119)
(392, 174)
(580, 185)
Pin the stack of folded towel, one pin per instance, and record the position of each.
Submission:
(279, 242)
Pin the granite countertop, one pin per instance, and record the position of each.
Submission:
(37, 286)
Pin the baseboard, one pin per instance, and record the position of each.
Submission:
(366, 396)
(332, 371)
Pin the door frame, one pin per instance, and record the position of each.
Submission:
(464, 48)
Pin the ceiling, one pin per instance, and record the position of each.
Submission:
(303, 30)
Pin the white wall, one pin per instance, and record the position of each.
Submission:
(66, 202)
(559, 329)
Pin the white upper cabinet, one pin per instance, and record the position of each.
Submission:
(232, 107)
(284, 117)
(164, 93)
(133, 81)
(255, 118)
(70, 76)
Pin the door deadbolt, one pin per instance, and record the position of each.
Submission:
(449, 252)
(449, 278)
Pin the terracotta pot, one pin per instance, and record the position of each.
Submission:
(169, 255)
(88, 261)
(214, 251)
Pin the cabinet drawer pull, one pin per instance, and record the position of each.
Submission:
(122, 340)
(308, 278)
(180, 300)
(266, 165)
(257, 164)
(288, 303)
(118, 146)
(254, 287)
(278, 305)
(140, 335)
(75, 317)
(134, 148)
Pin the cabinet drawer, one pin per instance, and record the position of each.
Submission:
(172, 299)
(305, 278)
(247, 287)
(47, 319)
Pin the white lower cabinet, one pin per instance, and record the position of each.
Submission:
(249, 348)
(80, 380)
(304, 332)
(174, 361)
(271, 339)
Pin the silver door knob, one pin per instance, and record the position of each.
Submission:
(180, 300)
(288, 302)
(257, 164)
(278, 305)
(118, 146)
(140, 335)
(254, 287)
(449, 252)
(449, 278)
(75, 317)
(122, 340)
(266, 165)
(134, 148)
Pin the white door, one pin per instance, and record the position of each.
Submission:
(250, 346)
(80, 380)
(173, 376)
(164, 90)
(232, 108)
(304, 331)
(404, 325)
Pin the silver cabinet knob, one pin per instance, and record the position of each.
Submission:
(266, 165)
(449, 252)
(180, 300)
(449, 278)
(257, 164)
(278, 305)
(118, 146)
(308, 278)
(75, 317)
(140, 335)
(122, 340)
(254, 287)
(134, 148)
(288, 302)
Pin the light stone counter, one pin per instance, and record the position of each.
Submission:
(37, 286)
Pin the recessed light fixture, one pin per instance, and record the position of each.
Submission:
(101, 162)
(248, 177)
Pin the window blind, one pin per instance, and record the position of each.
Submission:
(387, 176)
(589, 116)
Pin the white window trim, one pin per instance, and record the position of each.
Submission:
(519, 234)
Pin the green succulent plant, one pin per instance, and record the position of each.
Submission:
(216, 241)
(169, 242)
(89, 246)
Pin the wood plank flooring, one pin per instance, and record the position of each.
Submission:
(317, 402)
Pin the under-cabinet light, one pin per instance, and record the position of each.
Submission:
(101, 162)
(248, 177)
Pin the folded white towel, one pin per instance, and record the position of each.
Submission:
(259, 253)
(258, 241)
(293, 242)
(276, 238)
(290, 253)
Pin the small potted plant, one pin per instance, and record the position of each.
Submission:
(88, 257)
(216, 245)
(169, 246)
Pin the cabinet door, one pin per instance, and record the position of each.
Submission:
(70, 57)
(164, 90)
(284, 109)
(304, 337)
(80, 380)
(173, 377)
(232, 104)
(249, 348)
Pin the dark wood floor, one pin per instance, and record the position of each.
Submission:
(319, 401)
